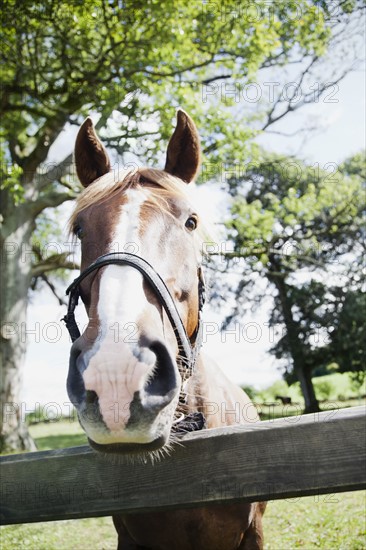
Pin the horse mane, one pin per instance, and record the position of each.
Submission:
(161, 185)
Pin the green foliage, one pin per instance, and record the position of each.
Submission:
(301, 229)
(10, 181)
(297, 215)
(48, 227)
(355, 166)
(134, 63)
(10, 175)
(280, 387)
(358, 381)
(331, 322)
(335, 387)
(250, 391)
(348, 334)
(323, 389)
(62, 60)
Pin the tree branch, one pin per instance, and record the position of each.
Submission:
(51, 263)
(52, 198)
(52, 287)
(56, 173)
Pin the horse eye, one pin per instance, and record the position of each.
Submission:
(191, 223)
(79, 232)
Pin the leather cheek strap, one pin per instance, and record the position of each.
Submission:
(188, 348)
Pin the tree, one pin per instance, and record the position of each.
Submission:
(302, 231)
(347, 339)
(332, 328)
(332, 314)
(128, 63)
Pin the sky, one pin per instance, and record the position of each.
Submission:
(242, 353)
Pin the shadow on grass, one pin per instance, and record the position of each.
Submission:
(60, 441)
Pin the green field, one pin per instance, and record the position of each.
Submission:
(328, 522)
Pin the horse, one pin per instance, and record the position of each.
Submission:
(137, 372)
(284, 399)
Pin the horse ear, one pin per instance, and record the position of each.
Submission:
(183, 154)
(91, 158)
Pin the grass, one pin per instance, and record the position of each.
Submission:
(58, 435)
(273, 410)
(81, 534)
(326, 522)
(338, 388)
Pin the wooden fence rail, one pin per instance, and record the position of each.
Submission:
(290, 457)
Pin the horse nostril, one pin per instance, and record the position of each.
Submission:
(75, 382)
(164, 378)
(91, 397)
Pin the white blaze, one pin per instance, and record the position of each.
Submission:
(114, 372)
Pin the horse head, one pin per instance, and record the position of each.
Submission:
(140, 284)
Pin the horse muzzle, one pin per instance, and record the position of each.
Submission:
(125, 396)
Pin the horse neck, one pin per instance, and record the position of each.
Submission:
(221, 401)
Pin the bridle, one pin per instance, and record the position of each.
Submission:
(188, 346)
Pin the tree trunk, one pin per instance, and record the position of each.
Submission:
(307, 389)
(302, 372)
(15, 279)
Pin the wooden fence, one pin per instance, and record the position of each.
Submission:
(291, 457)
